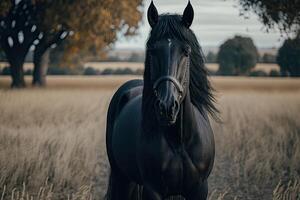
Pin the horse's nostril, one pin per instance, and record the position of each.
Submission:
(176, 105)
(173, 109)
(159, 104)
(168, 109)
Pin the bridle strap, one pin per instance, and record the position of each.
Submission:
(168, 78)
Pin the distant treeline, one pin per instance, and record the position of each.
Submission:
(237, 56)
(212, 57)
(89, 71)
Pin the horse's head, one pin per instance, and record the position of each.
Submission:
(169, 60)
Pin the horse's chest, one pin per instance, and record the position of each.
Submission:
(173, 169)
(178, 169)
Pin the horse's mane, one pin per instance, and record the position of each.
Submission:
(201, 91)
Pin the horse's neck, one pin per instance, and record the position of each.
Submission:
(182, 130)
(188, 117)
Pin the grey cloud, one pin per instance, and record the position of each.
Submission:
(215, 21)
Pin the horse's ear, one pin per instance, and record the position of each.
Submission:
(188, 15)
(152, 15)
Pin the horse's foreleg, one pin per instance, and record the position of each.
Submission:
(199, 192)
(149, 194)
(119, 187)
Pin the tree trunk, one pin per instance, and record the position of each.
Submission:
(17, 73)
(41, 61)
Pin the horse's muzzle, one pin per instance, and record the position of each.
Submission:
(167, 111)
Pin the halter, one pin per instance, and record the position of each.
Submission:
(173, 80)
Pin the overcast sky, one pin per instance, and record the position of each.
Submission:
(214, 22)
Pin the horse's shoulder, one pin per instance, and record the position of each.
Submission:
(124, 94)
(134, 106)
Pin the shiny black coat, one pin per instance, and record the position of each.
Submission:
(166, 161)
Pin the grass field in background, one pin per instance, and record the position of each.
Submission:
(139, 65)
(220, 83)
(52, 140)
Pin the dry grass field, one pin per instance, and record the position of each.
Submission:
(138, 65)
(226, 84)
(52, 141)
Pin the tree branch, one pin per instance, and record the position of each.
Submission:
(58, 37)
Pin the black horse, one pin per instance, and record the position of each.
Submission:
(159, 140)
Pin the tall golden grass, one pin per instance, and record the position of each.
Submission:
(52, 142)
(221, 84)
(53, 135)
(258, 145)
